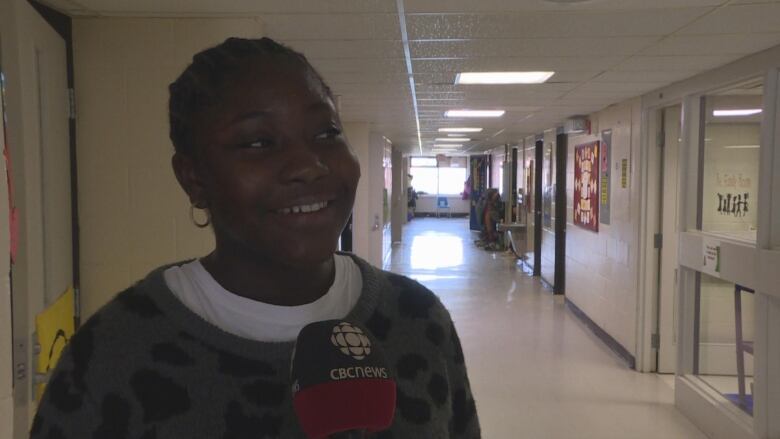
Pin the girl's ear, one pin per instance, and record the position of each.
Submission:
(185, 169)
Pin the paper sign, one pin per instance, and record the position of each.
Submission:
(624, 173)
(711, 256)
(606, 175)
(55, 327)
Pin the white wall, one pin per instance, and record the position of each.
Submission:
(133, 214)
(602, 268)
(427, 204)
(367, 213)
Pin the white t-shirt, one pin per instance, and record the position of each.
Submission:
(248, 318)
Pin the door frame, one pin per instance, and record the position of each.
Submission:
(651, 220)
(702, 407)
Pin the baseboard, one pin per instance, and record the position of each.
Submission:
(610, 341)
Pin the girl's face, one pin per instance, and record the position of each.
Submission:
(273, 167)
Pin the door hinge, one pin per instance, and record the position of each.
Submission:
(655, 341)
(71, 103)
(658, 240)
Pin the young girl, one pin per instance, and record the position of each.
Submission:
(202, 348)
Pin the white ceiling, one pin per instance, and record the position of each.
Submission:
(603, 51)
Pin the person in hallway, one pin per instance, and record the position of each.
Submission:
(489, 212)
(411, 200)
(202, 348)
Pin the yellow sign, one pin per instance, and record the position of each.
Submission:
(624, 173)
(55, 327)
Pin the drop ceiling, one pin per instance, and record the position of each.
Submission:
(603, 52)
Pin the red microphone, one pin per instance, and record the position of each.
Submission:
(341, 382)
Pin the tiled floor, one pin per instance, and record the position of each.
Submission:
(536, 371)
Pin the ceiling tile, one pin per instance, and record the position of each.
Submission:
(482, 6)
(550, 24)
(342, 49)
(515, 47)
(227, 7)
(548, 63)
(385, 66)
(750, 18)
(731, 44)
(333, 26)
(667, 76)
(682, 62)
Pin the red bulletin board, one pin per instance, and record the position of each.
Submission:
(586, 186)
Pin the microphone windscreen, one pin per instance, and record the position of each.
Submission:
(341, 380)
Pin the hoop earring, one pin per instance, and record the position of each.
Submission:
(194, 221)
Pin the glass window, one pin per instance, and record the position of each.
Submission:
(725, 340)
(451, 180)
(427, 178)
(424, 161)
(730, 162)
(424, 180)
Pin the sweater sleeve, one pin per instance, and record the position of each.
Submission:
(66, 409)
(465, 422)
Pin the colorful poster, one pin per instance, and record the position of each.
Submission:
(586, 186)
(606, 163)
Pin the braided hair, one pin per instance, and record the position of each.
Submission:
(200, 86)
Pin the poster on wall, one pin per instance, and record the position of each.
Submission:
(586, 186)
(606, 162)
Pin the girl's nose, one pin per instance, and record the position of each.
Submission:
(304, 165)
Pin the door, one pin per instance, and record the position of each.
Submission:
(549, 170)
(38, 142)
(667, 318)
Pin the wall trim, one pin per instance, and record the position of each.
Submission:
(610, 341)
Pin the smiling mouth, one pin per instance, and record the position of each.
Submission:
(303, 208)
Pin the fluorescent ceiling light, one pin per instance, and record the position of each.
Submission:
(502, 77)
(460, 130)
(741, 146)
(738, 112)
(474, 113)
(456, 135)
(436, 145)
(453, 139)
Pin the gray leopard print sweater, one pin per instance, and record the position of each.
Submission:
(147, 367)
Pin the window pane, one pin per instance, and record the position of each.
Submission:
(732, 133)
(423, 161)
(725, 341)
(451, 180)
(424, 179)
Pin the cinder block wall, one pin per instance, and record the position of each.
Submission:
(133, 215)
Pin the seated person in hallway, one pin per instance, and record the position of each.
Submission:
(202, 348)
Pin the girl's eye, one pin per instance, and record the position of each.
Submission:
(329, 134)
(259, 144)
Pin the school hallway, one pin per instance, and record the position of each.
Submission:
(536, 370)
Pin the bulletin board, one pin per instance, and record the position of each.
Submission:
(586, 186)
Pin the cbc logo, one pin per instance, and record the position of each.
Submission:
(351, 341)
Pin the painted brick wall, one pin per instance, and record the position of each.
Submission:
(133, 214)
(602, 268)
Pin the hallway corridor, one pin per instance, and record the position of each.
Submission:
(536, 371)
